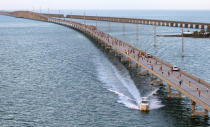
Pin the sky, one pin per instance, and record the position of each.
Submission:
(105, 4)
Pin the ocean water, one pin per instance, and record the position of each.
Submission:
(51, 75)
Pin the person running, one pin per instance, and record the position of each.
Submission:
(199, 93)
(180, 82)
(197, 88)
(207, 89)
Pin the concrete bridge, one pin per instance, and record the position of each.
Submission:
(190, 86)
(195, 25)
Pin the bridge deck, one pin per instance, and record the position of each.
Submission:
(170, 23)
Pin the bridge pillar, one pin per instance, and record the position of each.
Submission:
(197, 26)
(129, 62)
(208, 28)
(180, 25)
(193, 105)
(198, 112)
(191, 25)
(163, 23)
(169, 89)
(202, 27)
(150, 23)
(135, 21)
(186, 25)
(176, 24)
(151, 77)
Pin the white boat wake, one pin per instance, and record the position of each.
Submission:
(118, 81)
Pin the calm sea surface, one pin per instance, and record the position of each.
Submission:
(53, 76)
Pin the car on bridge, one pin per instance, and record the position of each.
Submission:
(175, 68)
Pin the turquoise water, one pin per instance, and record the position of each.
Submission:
(51, 75)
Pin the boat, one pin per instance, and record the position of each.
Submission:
(144, 104)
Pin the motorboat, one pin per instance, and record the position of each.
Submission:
(144, 104)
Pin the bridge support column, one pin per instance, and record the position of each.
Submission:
(197, 26)
(202, 27)
(191, 25)
(169, 89)
(198, 112)
(151, 77)
(208, 28)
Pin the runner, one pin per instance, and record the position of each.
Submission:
(199, 93)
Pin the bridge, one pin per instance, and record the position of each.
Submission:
(169, 23)
(192, 87)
